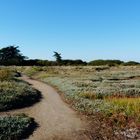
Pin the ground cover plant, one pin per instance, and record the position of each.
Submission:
(113, 92)
(15, 93)
(15, 127)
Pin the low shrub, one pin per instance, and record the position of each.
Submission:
(17, 94)
(14, 127)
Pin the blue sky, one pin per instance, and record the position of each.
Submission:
(78, 29)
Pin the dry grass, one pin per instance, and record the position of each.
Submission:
(5, 74)
(129, 106)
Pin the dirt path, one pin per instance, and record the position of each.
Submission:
(56, 120)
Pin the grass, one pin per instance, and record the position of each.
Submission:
(130, 106)
(30, 70)
(5, 74)
(14, 127)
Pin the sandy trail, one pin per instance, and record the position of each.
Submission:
(56, 120)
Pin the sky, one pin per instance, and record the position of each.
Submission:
(78, 29)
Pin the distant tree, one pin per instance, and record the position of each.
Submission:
(69, 62)
(58, 57)
(105, 62)
(11, 56)
(131, 63)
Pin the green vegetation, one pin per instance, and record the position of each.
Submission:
(131, 63)
(15, 93)
(11, 55)
(105, 62)
(58, 58)
(111, 92)
(6, 75)
(130, 106)
(109, 89)
(29, 70)
(14, 127)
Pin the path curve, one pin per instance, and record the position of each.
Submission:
(56, 120)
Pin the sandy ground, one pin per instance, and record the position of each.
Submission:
(57, 121)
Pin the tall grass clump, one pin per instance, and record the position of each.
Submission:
(130, 106)
(5, 75)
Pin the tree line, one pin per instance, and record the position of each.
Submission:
(11, 55)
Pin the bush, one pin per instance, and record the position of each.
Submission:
(13, 127)
(16, 95)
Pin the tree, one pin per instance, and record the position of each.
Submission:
(131, 63)
(58, 57)
(11, 56)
